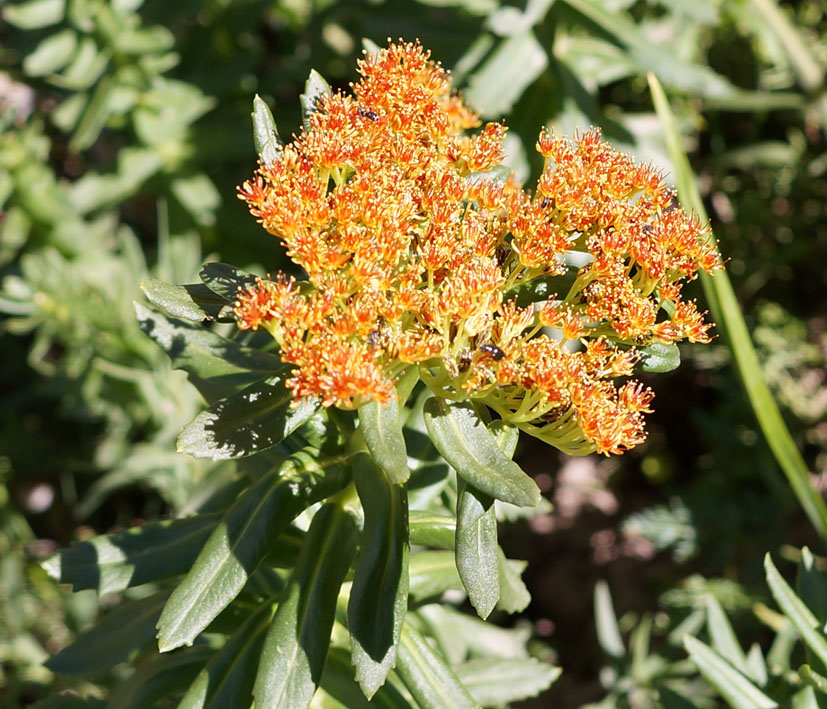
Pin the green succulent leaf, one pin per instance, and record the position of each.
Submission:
(659, 358)
(433, 684)
(218, 367)
(248, 422)
(112, 640)
(265, 134)
(382, 430)
(113, 562)
(298, 639)
(432, 573)
(242, 539)
(193, 302)
(314, 90)
(338, 683)
(514, 596)
(225, 280)
(733, 686)
(432, 529)
(227, 679)
(471, 449)
(379, 596)
(722, 636)
(500, 682)
(476, 548)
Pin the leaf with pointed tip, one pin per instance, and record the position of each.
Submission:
(428, 678)
(500, 682)
(160, 678)
(382, 430)
(608, 632)
(225, 280)
(471, 449)
(739, 692)
(798, 613)
(476, 548)
(112, 640)
(242, 539)
(315, 88)
(379, 596)
(338, 683)
(114, 562)
(248, 422)
(229, 675)
(193, 302)
(514, 596)
(298, 639)
(660, 357)
(218, 367)
(722, 636)
(265, 134)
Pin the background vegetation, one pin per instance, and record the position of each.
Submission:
(124, 129)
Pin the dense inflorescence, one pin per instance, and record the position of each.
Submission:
(415, 249)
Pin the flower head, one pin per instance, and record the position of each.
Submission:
(415, 249)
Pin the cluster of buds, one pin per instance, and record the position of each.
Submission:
(414, 254)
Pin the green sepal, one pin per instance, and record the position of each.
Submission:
(430, 680)
(379, 596)
(227, 679)
(112, 640)
(243, 538)
(476, 548)
(114, 562)
(248, 422)
(315, 88)
(659, 357)
(471, 449)
(298, 639)
(265, 134)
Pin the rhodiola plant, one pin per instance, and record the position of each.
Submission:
(374, 403)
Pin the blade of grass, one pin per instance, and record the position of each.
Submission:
(727, 313)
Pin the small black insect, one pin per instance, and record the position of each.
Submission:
(545, 203)
(496, 353)
(365, 113)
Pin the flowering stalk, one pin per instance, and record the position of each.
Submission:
(415, 253)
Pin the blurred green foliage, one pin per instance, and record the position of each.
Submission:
(124, 128)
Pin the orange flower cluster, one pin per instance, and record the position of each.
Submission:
(414, 251)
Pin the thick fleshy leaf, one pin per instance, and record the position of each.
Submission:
(224, 280)
(298, 639)
(193, 302)
(114, 562)
(112, 640)
(432, 573)
(722, 636)
(227, 679)
(660, 358)
(379, 596)
(160, 678)
(338, 683)
(265, 134)
(432, 529)
(249, 422)
(499, 682)
(218, 367)
(739, 692)
(428, 678)
(52, 54)
(315, 88)
(608, 632)
(248, 531)
(514, 596)
(464, 441)
(382, 430)
(476, 548)
(727, 313)
(794, 608)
